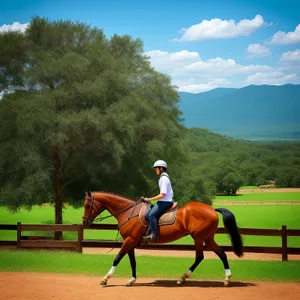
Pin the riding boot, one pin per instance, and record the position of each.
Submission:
(152, 237)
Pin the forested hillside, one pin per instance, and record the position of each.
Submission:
(227, 163)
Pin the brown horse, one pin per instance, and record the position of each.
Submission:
(194, 218)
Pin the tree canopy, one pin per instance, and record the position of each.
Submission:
(80, 111)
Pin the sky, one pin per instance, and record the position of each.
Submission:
(200, 44)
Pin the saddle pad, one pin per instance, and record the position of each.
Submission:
(167, 218)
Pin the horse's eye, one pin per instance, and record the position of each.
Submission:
(87, 206)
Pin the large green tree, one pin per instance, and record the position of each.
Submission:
(80, 111)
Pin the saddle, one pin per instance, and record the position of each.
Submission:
(168, 218)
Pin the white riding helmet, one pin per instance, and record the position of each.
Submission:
(160, 163)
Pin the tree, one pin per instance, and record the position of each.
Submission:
(296, 181)
(80, 111)
(193, 186)
(232, 182)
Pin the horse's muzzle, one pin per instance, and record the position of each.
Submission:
(86, 221)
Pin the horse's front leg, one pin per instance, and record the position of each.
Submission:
(127, 247)
(133, 267)
(113, 268)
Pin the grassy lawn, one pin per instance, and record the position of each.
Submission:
(249, 187)
(252, 216)
(155, 267)
(272, 217)
(268, 217)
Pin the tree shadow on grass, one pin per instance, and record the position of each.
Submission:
(189, 283)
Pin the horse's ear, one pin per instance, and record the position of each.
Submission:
(90, 193)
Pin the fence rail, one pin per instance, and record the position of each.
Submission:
(33, 241)
(243, 203)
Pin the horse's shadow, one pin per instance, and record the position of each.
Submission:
(189, 283)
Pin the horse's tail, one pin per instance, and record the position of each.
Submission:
(233, 230)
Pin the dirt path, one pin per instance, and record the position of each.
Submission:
(41, 286)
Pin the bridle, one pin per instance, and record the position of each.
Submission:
(99, 219)
(88, 218)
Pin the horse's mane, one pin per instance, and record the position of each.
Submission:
(114, 194)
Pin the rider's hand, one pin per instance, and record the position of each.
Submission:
(142, 199)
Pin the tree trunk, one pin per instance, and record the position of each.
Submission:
(58, 192)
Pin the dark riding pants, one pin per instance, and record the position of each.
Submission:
(157, 211)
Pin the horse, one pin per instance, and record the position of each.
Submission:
(194, 218)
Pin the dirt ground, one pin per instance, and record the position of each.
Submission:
(41, 286)
(45, 286)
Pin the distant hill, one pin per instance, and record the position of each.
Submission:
(261, 112)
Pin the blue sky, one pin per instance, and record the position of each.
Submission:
(201, 44)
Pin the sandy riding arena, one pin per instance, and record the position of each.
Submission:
(43, 286)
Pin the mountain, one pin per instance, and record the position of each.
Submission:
(263, 112)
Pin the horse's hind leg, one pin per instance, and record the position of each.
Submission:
(211, 244)
(199, 257)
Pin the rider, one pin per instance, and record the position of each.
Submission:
(165, 199)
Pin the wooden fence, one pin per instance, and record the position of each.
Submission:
(264, 203)
(48, 242)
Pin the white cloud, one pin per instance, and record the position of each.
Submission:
(255, 50)
(291, 56)
(176, 56)
(16, 26)
(282, 38)
(221, 29)
(166, 61)
(192, 74)
(186, 63)
(273, 78)
(191, 86)
(226, 67)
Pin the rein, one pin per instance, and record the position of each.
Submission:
(100, 219)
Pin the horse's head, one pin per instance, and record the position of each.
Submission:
(92, 209)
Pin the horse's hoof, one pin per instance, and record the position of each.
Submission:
(103, 282)
(131, 282)
(181, 281)
(184, 277)
(227, 283)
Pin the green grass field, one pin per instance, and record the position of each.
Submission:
(272, 217)
(153, 267)
(252, 216)
(249, 187)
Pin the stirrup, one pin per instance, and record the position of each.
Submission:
(150, 238)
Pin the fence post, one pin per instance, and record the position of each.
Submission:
(284, 243)
(19, 235)
(80, 237)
